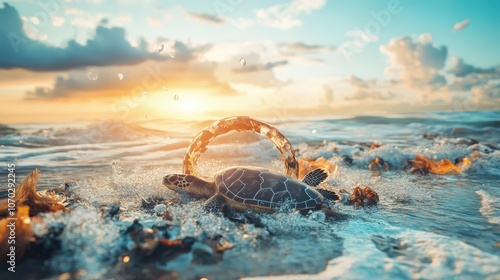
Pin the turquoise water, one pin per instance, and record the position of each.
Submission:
(432, 226)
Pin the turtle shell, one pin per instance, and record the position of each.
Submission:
(265, 189)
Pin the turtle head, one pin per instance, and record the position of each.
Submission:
(189, 184)
(177, 182)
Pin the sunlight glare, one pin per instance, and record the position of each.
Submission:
(189, 107)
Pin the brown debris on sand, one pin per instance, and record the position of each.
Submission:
(375, 145)
(425, 165)
(378, 164)
(363, 196)
(26, 194)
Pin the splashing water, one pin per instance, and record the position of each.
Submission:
(243, 62)
(82, 225)
(384, 251)
(176, 97)
(159, 48)
(120, 76)
(490, 207)
(431, 226)
(172, 54)
(92, 75)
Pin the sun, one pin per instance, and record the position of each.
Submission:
(181, 104)
(190, 106)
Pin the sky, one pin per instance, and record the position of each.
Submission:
(74, 60)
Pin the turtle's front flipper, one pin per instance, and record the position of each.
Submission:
(215, 203)
(248, 216)
(315, 177)
(329, 194)
(232, 214)
(332, 215)
(253, 218)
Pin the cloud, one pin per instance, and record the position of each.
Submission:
(416, 63)
(327, 97)
(74, 12)
(149, 77)
(481, 82)
(21, 78)
(262, 60)
(282, 16)
(360, 83)
(87, 22)
(461, 25)
(303, 53)
(108, 47)
(84, 19)
(260, 67)
(377, 95)
(122, 18)
(300, 47)
(367, 89)
(206, 18)
(185, 71)
(153, 21)
(466, 83)
(57, 21)
(461, 69)
(133, 2)
(484, 94)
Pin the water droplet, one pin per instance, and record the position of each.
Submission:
(144, 92)
(314, 131)
(243, 62)
(172, 54)
(164, 88)
(176, 97)
(92, 75)
(120, 76)
(147, 117)
(159, 48)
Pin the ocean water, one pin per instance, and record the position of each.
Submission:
(426, 226)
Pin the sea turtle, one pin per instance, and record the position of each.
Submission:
(258, 189)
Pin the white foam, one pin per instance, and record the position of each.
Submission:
(416, 255)
(87, 241)
(490, 207)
